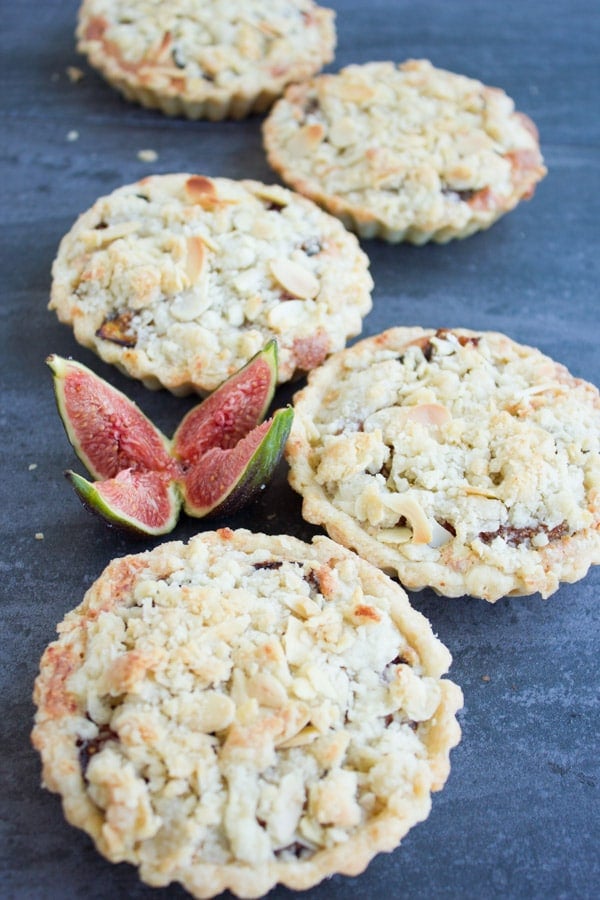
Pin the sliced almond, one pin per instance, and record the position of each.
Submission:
(286, 315)
(195, 259)
(343, 132)
(160, 53)
(191, 304)
(306, 139)
(208, 243)
(352, 91)
(528, 396)
(265, 688)
(202, 190)
(214, 712)
(392, 419)
(412, 511)
(291, 719)
(473, 491)
(294, 278)
(396, 535)
(99, 237)
(304, 737)
(429, 414)
(272, 194)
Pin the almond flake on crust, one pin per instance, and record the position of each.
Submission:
(463, 462)
(207, 270)
(199, 728)
(215, 60)
(405, 152)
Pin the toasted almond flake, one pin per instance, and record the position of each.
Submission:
(397, 535)
(162, 52)
(286, 315)
(429, 414)
(412, 511)
(199, 189)
(292, 719)
(252, 307)
(273, 194)
(191, 304)
(304, 737)
(353, 91)
(265, 688)
(215, 712)
(195, 259)
(97, 238)
(473, 491)
(294, 278)
(527, 397)
(212, 246)
(306, 139)
(393, 419)
(148, 156)
(343, 132)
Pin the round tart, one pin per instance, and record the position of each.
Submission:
(244, 710)
(214, 59)
(405, 152)
(180, 279)
(459, 461)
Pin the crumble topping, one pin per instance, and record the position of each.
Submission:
(451, 450)
(181, 279)
(243, 701)
(426, 153)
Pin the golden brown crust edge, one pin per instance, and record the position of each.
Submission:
(173, 96)
(485, 206)
(62, 773)
(455, 574)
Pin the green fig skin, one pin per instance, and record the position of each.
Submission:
(259, 465)
(220, 455)
(91, 496)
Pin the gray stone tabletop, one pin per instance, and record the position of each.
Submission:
(519, 817)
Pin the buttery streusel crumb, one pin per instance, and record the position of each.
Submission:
(244, 710)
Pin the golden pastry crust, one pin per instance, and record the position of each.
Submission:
(244, 710)
(405, 152)
(180, 279)
(460, 461)
(216, 59)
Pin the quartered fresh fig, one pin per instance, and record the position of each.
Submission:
(219, 457)
(145, 503)
(224, 480)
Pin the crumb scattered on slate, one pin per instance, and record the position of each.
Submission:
(147, 155)
(74, 74)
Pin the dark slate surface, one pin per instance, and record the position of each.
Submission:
(519, 816)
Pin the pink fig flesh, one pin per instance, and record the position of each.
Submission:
(222, 481)
(231, 411)
(144, 503)
(108, 431)
(220, 455)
